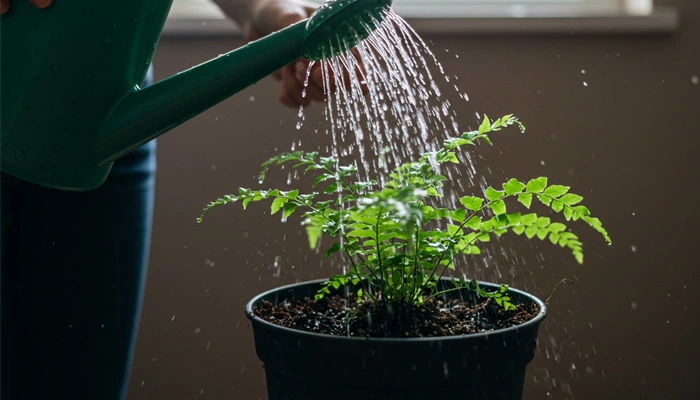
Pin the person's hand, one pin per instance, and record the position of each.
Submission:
(272, 15)
(258, 18)
(5, 4)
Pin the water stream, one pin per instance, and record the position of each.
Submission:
(384, 106)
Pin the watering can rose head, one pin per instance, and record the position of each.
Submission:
(397, 238)
(338, 26)
(66, 118)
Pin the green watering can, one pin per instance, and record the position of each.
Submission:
(71, 102)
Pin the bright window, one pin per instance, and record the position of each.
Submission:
(203, 17)
(205, 9)
(517, 8)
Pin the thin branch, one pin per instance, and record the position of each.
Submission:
(561, 282)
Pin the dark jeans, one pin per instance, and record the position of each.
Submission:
(73, 273)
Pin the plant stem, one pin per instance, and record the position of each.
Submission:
(442, 292)
(379, 252)
(415, 268)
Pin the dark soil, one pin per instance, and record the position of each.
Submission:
(336, 315)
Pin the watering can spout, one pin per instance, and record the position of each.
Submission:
(144, 114)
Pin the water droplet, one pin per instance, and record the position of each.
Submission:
(634, 305)
(695, 79)
(20, 155)
(634, 249)
(583, 71)
(585, 84)
(299, 125)
(251, 99)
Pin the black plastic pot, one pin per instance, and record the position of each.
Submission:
(310, 366)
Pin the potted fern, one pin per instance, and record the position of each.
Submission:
(394, 325)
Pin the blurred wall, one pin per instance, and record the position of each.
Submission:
(628, 142)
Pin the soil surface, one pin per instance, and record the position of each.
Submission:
(336, 315)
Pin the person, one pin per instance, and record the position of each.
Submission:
(73, 264)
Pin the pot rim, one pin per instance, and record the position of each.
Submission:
(322, 336)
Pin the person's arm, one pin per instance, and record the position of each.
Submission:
(260, 17)
(257, 18)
